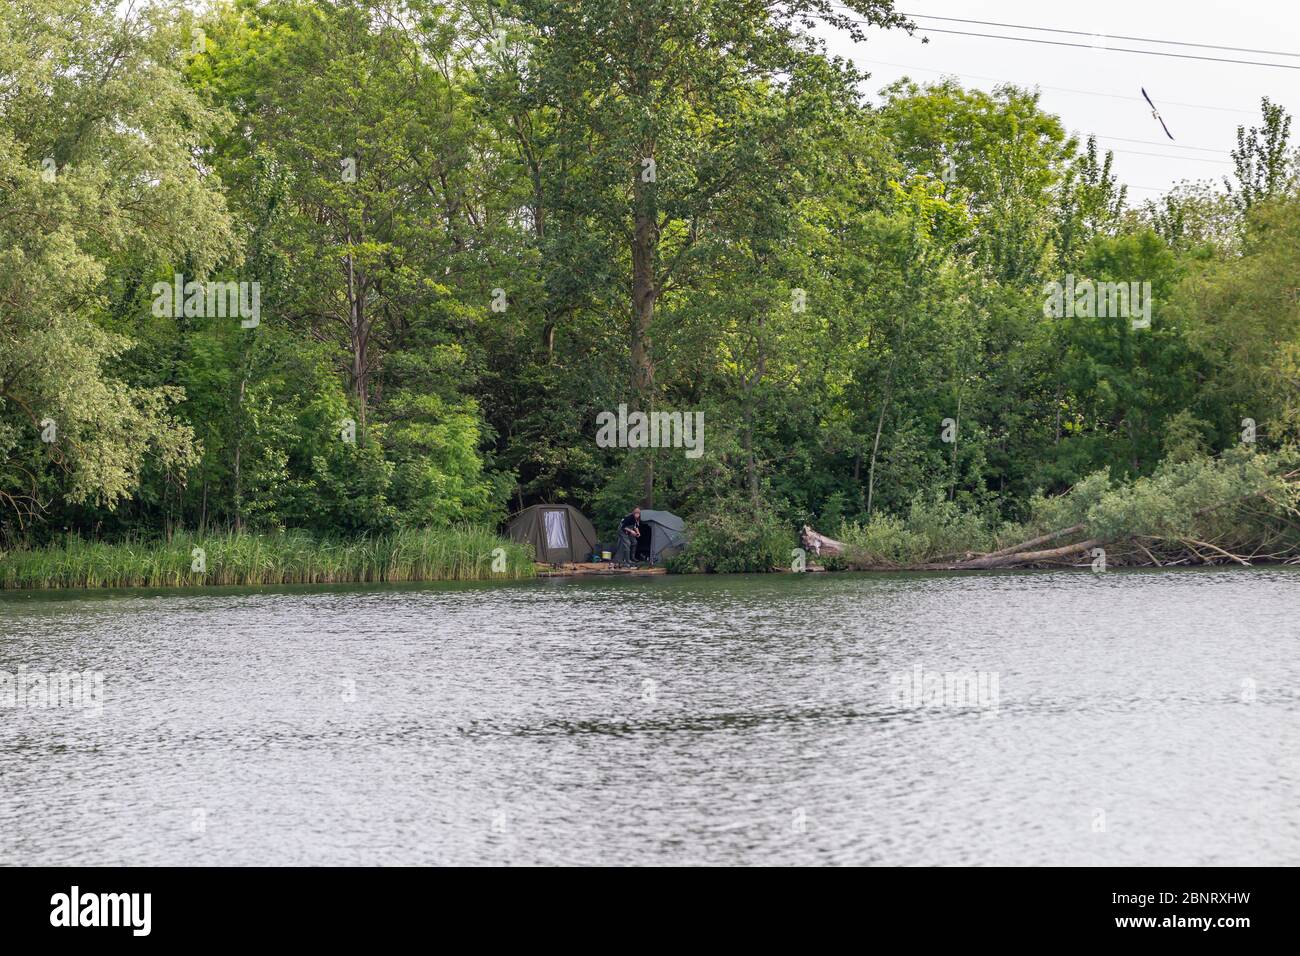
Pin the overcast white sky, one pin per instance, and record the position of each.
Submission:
(1182, 89)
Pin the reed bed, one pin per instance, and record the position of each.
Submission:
(463, 553)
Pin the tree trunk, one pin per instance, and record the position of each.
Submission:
(1024, 557)
(751, 466)
(748, 385)
(956, 437)
(644, 293)
(358, 335)
(875, 445)
(203, 507)
(239, 447)
(819, 544)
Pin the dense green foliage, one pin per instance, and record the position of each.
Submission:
(736, 538)
(1242, 505)
(477, 224)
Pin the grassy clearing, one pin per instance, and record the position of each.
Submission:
(442, 554)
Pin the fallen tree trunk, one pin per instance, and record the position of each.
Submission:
(819, 544)
(1019, 554)
(1003, 559)
(1175, 549)
(1034, 542)
(1023, 555)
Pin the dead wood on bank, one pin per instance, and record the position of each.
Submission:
(1126, 550)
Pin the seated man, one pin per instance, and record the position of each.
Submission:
(629, 531)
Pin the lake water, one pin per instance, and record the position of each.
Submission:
(1117, 718)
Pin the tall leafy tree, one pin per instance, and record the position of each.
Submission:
(98, 185)
(679, 109)
(1262, 158)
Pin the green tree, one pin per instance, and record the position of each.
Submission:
(97, 189)
(1262, 159)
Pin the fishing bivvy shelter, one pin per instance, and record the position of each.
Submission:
(558, 533)
(663, 535)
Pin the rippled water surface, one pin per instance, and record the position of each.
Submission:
(1139, 718)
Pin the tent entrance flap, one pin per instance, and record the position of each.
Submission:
(557, 530)
(663, 535)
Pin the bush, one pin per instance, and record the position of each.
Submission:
(883, 539)
(735, 537)
(934, 527)
(1180, 498)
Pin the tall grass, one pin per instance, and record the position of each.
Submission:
(429, 554)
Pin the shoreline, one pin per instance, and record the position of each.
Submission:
(539, 575)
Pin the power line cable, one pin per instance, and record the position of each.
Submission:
(1109, 95)
(1190, 159)
(1156, 142)
(1085, 33)
(1113, 49)
(1065, 89)
(1090, 46)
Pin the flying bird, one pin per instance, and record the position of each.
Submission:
(1156, 113)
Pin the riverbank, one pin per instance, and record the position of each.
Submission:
(187, 560)
(1241, 508)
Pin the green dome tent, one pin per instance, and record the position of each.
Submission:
(558, 533)
(663, 535)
